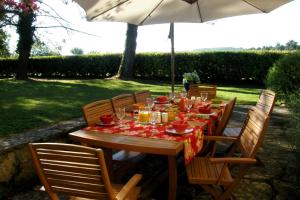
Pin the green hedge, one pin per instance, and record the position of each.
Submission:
(216, 67)
(86, 66)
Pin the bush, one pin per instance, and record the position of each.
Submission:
(212, 67)
(284, 76)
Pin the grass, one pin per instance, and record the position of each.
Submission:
(25, 105)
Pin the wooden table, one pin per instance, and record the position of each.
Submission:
(138, 144)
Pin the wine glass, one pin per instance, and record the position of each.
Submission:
(189, 104)
(120, 115)
(149, 102)
(183, 94)
(203, 96)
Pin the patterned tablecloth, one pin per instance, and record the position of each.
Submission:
(192, 141)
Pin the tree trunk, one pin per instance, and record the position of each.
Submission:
(126, 66)
(25, 30)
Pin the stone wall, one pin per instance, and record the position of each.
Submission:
(16, 169)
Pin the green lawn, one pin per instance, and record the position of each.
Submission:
(30, 104)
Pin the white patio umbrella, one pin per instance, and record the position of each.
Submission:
(145, 12)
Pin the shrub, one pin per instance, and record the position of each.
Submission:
(284, 76)
(212, 67)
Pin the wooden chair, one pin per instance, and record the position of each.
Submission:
(122, 101)
(228, 109)
(265, 103)
(92, 111)
(213, 174)
(141, 96)
(197, 89)
(79, 172)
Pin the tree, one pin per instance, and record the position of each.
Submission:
(39, 48)
(22, 15)
(77, 51)
(25, 12)
(127, 61)
(291, 45)
(3, 44)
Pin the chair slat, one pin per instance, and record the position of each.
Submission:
(81, 193)
(77, 185)
(74, 177)
(61, 167)
(68, 158)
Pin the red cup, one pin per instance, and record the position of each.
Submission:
(106, 119)
(180, 126)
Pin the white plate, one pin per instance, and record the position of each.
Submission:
(110, 124)
(158, 102)
(173, 131)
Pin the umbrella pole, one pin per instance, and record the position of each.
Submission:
(172, 56)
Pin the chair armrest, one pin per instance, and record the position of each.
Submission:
(220, 138)
(129, 186)
(233, 160)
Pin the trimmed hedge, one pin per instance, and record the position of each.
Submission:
(216, 67)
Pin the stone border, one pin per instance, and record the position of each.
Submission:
(39, 135)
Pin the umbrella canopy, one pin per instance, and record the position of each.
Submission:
(144, 12)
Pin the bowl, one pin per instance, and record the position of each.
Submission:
(106, 119)
(180, 126)
(162, 99)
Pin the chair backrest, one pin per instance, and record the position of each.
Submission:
(266, 101)
(253, 132)
(122, 100)
(197, 89)
(94, 110)
(72, 170)
(227, 112)
(141, 96)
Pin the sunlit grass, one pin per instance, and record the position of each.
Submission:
(30, 104)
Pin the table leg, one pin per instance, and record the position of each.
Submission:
(109, 162)
(172, 165)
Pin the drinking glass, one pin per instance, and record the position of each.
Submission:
(120, 115)
(203, 96)
(153, 121)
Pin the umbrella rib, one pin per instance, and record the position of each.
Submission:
(109, 9)
(141, 23)
(251, 4)
(199, 11)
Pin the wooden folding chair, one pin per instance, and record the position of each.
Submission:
(141, 96)
(78, 172)
(122, 101)
(265, 103)
(197, 89)
(214, 175)
(92, 111)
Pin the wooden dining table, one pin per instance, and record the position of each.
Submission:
(145, 145)
(109, 142)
